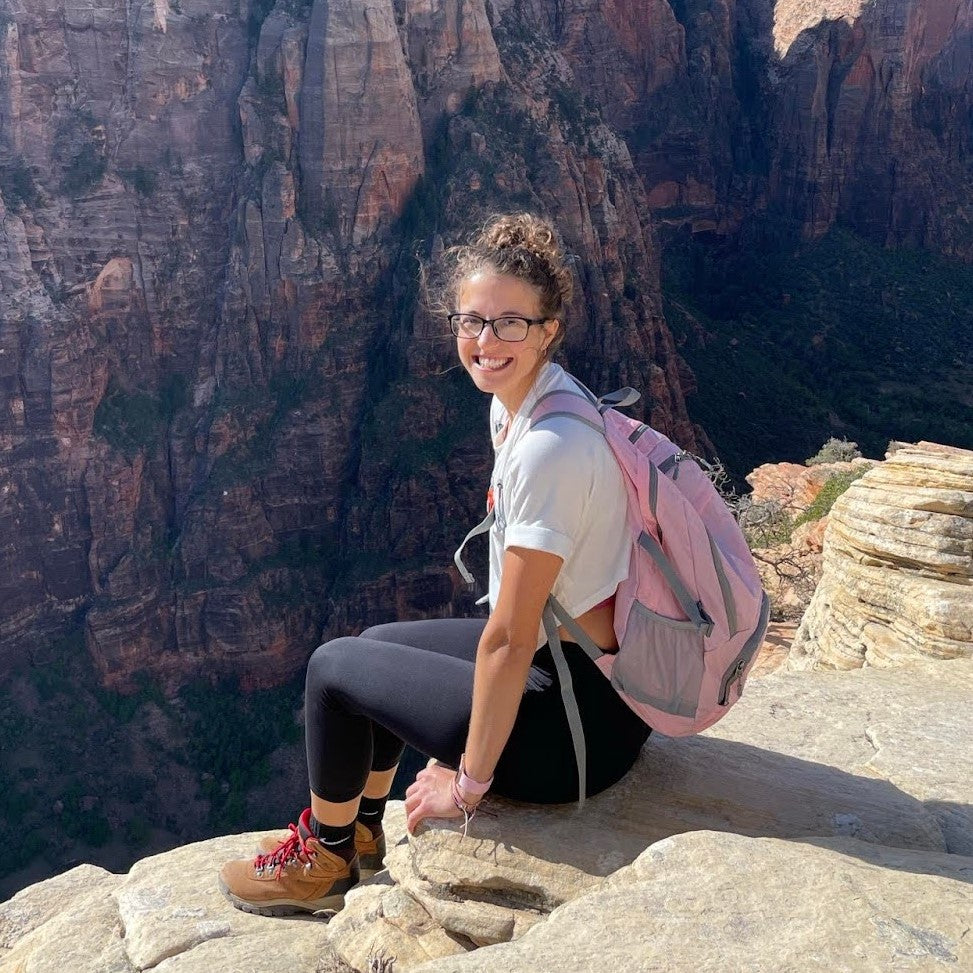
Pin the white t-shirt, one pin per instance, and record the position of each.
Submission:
(558, 488)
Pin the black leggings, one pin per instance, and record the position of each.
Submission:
(412, 682)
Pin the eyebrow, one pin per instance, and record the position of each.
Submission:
(502, 314)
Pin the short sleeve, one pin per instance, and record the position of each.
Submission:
(549, 487)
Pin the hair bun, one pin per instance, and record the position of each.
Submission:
(522, 230)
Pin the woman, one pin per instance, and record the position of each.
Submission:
(481, 696)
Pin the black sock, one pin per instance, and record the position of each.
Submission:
(339, 840)
(370, 813)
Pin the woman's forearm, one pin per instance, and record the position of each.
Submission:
(498, 685)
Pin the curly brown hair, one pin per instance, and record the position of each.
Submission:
(522, 245)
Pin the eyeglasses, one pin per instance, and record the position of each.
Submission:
(507, 328)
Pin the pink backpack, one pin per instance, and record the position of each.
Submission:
(692, 614)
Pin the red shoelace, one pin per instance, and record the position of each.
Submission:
(284, 852)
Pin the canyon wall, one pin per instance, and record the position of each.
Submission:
(229, 425)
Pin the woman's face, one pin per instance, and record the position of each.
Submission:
(503, 368)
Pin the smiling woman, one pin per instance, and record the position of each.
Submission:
(483, 698)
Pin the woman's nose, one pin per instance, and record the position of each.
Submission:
(486, 337)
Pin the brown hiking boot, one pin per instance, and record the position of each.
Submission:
(299, 875)
(371, 851)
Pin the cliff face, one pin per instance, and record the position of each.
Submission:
(871, 108)
(228, 424)
(840, 111)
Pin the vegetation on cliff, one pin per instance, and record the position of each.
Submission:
(792, 343)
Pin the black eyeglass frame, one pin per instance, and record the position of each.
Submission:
(454, 327)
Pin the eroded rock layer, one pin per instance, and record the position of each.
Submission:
(897, 576)
(832, 813)
(229, 426)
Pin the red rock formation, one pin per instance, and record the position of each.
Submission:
(226, 428)
(868, 106)
(227, 425)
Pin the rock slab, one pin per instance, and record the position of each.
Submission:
(705, 901)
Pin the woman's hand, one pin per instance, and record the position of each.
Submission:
(430, 796)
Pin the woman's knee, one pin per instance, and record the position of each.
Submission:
(332, 662)
(380, 632)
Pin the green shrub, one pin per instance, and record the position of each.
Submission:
(834, 451)
(129, 421)
(833, 487)
(230, 735)
(17, 184)
(142, 179)
(84, 170)
(137, 832)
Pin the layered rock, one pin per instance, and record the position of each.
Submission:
(865, 100)
(793, 487)
(829, 809)
(361, 150)
(897, 576)
(828, 905)
(196, 343)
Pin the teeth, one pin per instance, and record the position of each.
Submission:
(492, 362)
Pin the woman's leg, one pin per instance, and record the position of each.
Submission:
(369, 695)
(364, 698)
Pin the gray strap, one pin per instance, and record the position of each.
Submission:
(575, 630)
(570, 703)
(668, 463)
(588, 394)
(569, 415)
(653, 487)
(546, 396)
(618, 399)
(728, 600)
(481, 528)
(640, 430)
(692, 609)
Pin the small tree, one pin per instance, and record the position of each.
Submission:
(835, 451)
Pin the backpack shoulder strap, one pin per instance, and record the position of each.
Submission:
(561, 402)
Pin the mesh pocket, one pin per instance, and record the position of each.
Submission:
(660, 662)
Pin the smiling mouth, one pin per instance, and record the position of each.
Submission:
(491, 364)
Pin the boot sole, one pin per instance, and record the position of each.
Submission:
(286, 907)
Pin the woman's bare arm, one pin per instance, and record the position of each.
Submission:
(504, 654)
(503, 658)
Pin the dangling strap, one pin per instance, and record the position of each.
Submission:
(575, 630)
(481, 528)
(567, 695)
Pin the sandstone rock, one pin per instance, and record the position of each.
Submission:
(360, 139)
(865, 775)
(381, 920)
(793, 486)
(167, 914)
(888, 765)
(897, 575)
(775, 649)
(847, 138)
(705, 902)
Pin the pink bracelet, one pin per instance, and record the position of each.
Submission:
(469, 810)
(467, 784)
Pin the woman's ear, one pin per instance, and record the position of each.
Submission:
(551, 329)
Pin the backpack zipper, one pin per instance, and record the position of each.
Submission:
(729, 679)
